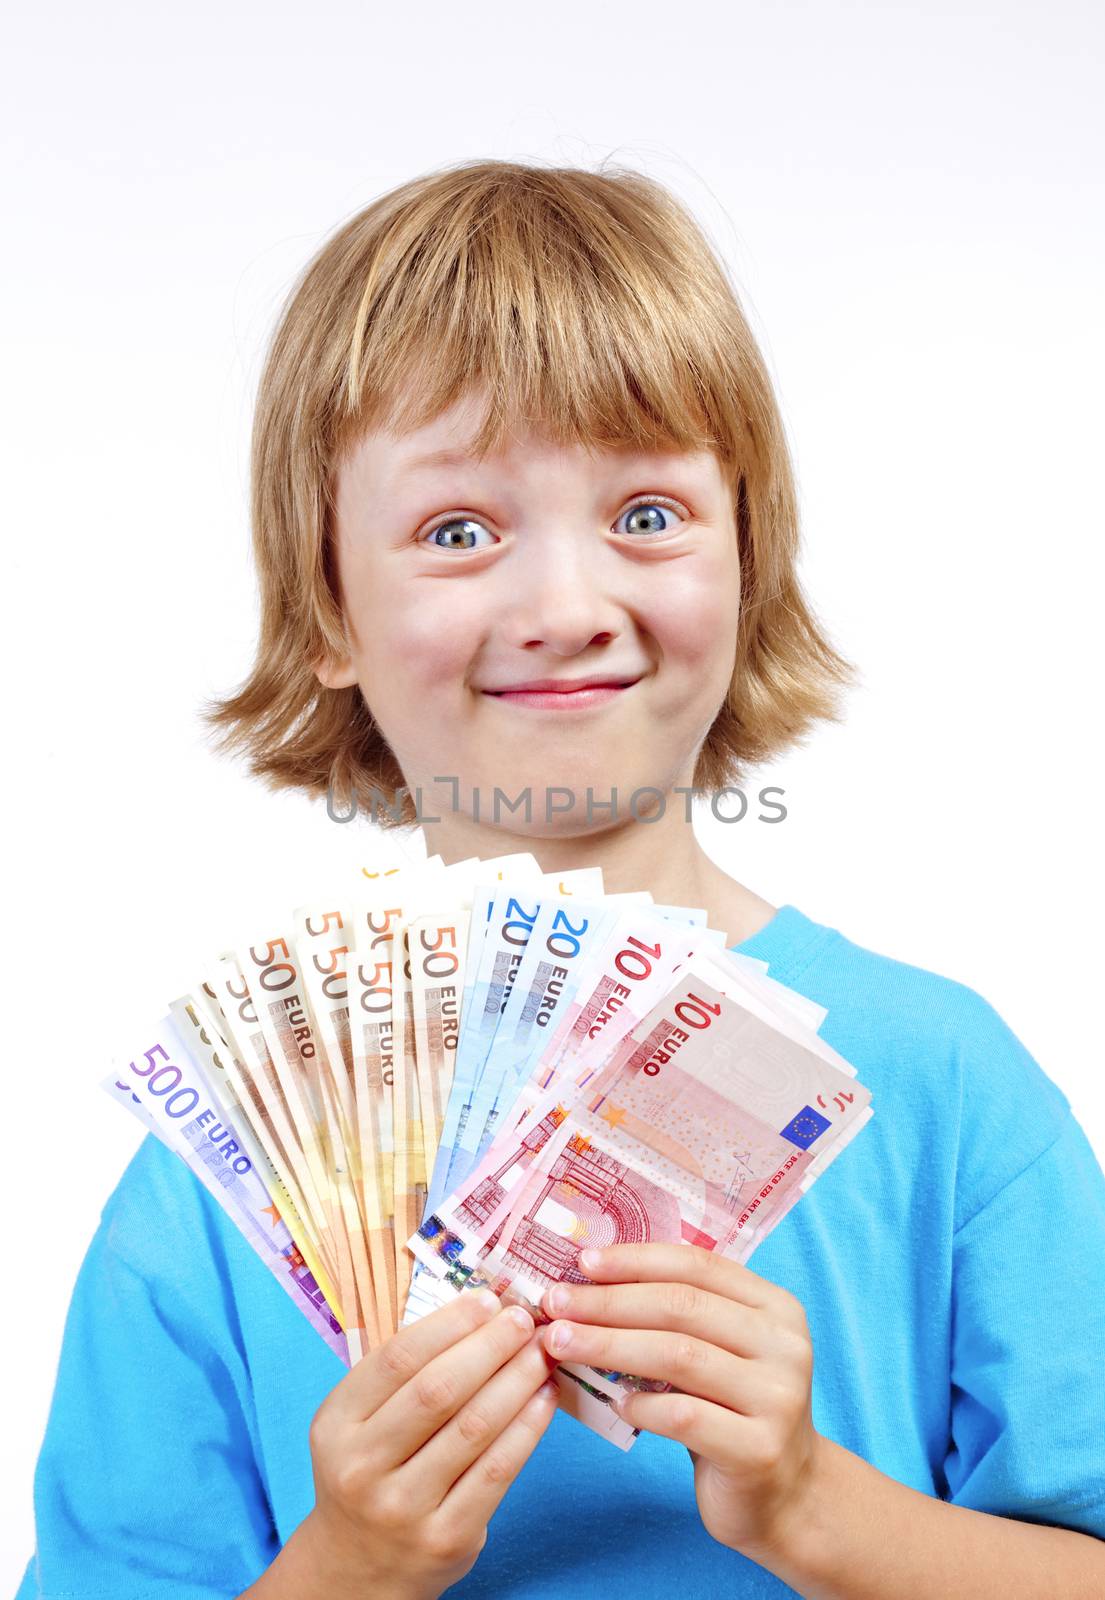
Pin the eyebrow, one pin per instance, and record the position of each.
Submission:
(447, 457)
(452, 456)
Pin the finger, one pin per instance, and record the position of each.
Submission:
(678, 1307)
(475, 1496)
(405, 1421)
(690, 1364)
(709, 1430)
(468, 1434)
(382, 1372)
(683, 1263)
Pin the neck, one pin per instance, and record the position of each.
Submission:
(662, 856)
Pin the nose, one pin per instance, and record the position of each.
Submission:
(563, 597)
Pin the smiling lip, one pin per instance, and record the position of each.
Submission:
(563, 694)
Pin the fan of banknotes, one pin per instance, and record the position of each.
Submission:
(460, 1076)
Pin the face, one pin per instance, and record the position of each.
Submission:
(461, 582)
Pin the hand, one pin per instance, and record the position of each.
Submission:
(737, 1349)
(414, 1449)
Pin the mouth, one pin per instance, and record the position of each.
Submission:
(549, 696)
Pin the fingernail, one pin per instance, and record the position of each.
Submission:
(558, 1298)
(590, 1260)
(521, 1318)
(487, 1302)
(540, 1399)
(560, 1336)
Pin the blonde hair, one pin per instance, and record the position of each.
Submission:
(589, 304)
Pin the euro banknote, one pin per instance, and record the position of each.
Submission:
(438, 1077)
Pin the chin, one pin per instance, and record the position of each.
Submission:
(565, 820)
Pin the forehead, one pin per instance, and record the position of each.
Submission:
(423, 457)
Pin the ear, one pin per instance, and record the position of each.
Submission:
(339, 674)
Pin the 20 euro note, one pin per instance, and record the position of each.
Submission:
(480, 887)
(549, 906)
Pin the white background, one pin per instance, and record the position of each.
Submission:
(910, 198)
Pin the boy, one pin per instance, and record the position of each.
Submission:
(589, 590)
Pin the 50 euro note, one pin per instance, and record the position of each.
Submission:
(271, 968)
(409, 896)
(436, 945)
(322, 941)
(409, 1174)
(391, 857)
(704, 1134)
(170, 1094)
(389, 1124)
(250, 1068)
(370, 1037)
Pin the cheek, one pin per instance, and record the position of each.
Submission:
(420, 631)
(698, 624)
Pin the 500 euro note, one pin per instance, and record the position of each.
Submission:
(169, 1093)
(196, 1018)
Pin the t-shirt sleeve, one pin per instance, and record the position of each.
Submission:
(147, 1482)
(1028, 1343)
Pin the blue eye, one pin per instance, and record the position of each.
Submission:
(653, 507)
(466, 527)
(461, 533)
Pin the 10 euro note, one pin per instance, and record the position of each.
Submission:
(705, 1132)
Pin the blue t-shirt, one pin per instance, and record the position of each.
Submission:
(951, 1264)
